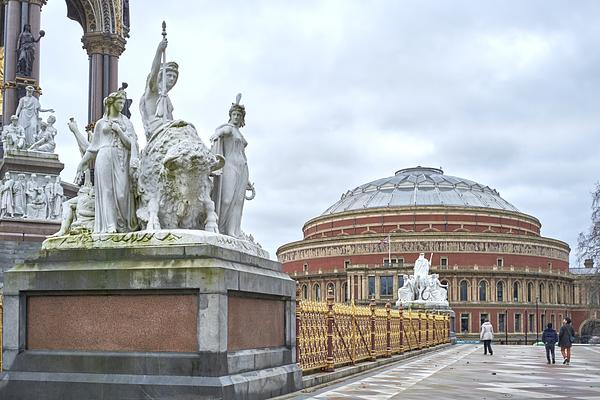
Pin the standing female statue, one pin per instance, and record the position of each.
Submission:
(26, 51)
(115, 150)
(229, 191)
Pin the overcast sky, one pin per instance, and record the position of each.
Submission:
(340, 93)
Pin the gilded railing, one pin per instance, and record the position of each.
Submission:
(330, 335)
(1, 319)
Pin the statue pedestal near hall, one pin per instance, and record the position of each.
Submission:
(175, 314)
(423, 291)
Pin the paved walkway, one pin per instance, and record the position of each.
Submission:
(463, 372)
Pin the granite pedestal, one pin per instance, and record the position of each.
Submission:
(149, 315)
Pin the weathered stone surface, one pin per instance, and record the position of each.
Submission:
(214, 369)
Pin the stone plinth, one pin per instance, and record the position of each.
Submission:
(149, 315)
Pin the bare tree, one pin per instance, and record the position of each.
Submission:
(588, 251)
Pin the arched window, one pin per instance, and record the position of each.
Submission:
(317, 292)
(331, 289)
(345, 292)
(559, 290)
(482, 291)
(304, 292)
(464, 290)
(541, 293)
(500, 291)
(551, 293)
(516, 291)
(529, 292)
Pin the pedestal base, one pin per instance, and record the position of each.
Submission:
(161, 321)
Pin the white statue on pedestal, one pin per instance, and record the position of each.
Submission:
(28, 112)
(174, 182)
(422, 288)
(115, 151)
(232, 182)
(45, 140)
(13, 135)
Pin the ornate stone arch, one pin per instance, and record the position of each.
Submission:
(589, 329)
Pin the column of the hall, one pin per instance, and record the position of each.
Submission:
(103, 51)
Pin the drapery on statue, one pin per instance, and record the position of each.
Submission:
(174, 181)
(26, 51)
(229, 191)
(115, 149)
(28, 112)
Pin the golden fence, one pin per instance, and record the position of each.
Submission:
(1, 319)
(330, 335)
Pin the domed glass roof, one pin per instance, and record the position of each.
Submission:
(420, 186)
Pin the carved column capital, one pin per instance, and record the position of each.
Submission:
(103, 43)
(38, 2)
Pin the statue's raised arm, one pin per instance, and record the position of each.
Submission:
(156, 99)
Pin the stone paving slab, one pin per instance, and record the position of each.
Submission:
(463, 372)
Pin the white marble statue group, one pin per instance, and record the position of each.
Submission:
(30, 198)
(27, 131)
(174, 182)
(422, 287)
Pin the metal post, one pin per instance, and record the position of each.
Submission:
(372, 307)
(526, 323)
(537, 321)
(298, 323)
(401, 330)
(388, 349)
(330, 316)
(506, 325)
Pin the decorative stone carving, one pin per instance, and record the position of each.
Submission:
(57, 200)
(26, 50)
(45, 140)
(407, 292)
(231, 184)
(48, 196)
(174, 183)
(6, 196)
(155, 106)
(78, 213)
(28, 112)
(422, 288)
(20, 196)
(115, 151)
(516, 245)
(36, 208)
(13, 136)
(30, 193)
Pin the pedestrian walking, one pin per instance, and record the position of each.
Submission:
(487, 335)
(549, 337)
(566, 337)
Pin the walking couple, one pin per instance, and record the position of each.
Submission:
(565, 340)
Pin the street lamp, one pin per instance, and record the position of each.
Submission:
(506, 326)
(537, 317)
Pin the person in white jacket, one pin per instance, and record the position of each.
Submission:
(486, 336)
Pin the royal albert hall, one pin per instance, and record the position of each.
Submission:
(492, 256)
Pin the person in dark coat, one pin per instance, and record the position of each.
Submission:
(566, 337)
(549, 337)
